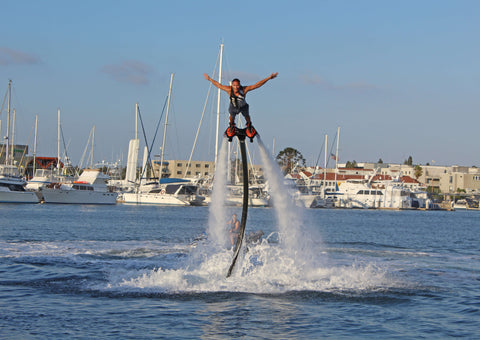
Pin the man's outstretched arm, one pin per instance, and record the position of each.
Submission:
(260, 83)
(217, 84)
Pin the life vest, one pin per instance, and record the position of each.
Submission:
(237, 101)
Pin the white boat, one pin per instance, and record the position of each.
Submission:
(12, 187)
(45, 177)
(461, 204)
(257, 197)
(362, 194)
(89, 188)
(170, 191)
(166, 191)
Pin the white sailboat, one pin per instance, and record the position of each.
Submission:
(12, 185)
(128, 184)
(170, 191)
(89, 188)
(43, 177)
(167, 191)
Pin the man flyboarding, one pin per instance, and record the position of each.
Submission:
(237, 94)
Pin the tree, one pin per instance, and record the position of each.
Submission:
(417, 171)
(409, 161)
(288, 158)
(380, 161)
(351, 165)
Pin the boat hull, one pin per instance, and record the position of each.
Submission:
(149, 198)
(59, 196)
(18, 197)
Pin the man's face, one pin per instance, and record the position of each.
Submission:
(235, 85)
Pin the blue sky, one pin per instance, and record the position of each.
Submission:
(400, 78)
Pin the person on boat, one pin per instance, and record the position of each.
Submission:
(237, 94)
(234, 230)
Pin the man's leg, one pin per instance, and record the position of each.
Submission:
(246, 115)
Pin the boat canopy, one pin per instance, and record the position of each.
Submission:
(173, 180)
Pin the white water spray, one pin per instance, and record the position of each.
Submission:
(296, 263)
(217, 211)
(297, 239)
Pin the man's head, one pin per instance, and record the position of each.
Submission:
(236, 84)
(234, 216)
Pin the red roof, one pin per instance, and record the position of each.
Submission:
(408, 179)
(340, 177)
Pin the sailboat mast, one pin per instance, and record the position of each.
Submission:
(336, 157)
(13, 136)
(35, 146)
(93, 143)
(218, 102)
(165, 127)
(325, 167)
(7, 154)
(136, 120)
(58, 141)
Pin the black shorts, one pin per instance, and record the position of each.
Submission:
(244, 110)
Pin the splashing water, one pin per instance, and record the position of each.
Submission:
(299, 240)
(297, 262)
(288, 214)
(217, 212)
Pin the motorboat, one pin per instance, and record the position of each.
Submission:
(12, 187)
(169, 191)
(89, 188)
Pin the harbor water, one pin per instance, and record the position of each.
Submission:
(143, 272)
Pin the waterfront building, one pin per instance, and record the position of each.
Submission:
(197, 169)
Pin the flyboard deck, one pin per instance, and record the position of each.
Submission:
(241, 134)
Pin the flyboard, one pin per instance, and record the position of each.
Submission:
(241, 134)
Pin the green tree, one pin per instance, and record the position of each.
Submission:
(288, 158)
(417, 171)
(380, 161)
(409, 161)
(351, 165)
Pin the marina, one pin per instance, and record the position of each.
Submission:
(167, 176)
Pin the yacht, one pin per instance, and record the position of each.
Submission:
(257, 196)
(12, 187)
(169, 191)
(89, 188)
(356, 193)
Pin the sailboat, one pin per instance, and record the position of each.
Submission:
(89, 188)
(12, 185)
(43, 177)
(167, 191)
